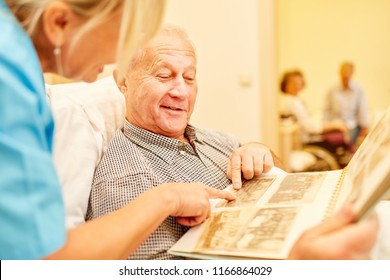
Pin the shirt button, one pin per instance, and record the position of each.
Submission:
(182, 152)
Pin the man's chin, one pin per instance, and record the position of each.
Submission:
(173, 130)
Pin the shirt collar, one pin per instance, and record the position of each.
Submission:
(156, 142)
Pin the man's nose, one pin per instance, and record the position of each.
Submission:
(179, 87)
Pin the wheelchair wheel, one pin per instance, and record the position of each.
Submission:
(325, 159)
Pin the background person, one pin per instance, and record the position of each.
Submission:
(331, 135)
(291, 104)
(347, 102)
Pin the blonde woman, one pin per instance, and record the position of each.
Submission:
(74, 38)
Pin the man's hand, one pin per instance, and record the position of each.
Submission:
(338, 238)
(250, 160)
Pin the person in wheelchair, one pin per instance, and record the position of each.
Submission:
(332, 136)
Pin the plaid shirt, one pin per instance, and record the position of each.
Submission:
(137, 160)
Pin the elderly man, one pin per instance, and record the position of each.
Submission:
(157, 145)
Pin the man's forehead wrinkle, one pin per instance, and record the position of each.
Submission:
(158, 62)
(158, 59)
(172, 49)
(152, 56)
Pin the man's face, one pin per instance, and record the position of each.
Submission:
(162, 87)
(346, 72)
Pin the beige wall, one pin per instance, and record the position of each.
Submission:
(228, 37)
(316, 35)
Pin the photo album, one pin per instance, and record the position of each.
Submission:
(271, 211)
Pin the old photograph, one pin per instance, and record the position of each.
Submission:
(298, 188)
(267, 230)
(250, 192)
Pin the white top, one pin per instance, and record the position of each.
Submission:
(293, 105)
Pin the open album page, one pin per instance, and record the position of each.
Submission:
(268, 215)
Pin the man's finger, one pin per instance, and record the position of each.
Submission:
(235, 163)
(258, 164)
(247, 166)
(268, 162)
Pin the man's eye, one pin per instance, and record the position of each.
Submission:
(189, 77)
(163, 75)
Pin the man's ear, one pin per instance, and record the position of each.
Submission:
(120, 81)
(55, 21)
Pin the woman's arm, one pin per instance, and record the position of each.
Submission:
(117, 235)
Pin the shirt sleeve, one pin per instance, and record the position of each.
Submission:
(297, 108)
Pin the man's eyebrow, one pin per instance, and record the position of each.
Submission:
(161, 64)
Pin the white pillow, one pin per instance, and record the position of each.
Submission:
(86, 117)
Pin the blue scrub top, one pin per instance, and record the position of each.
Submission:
(32, 216)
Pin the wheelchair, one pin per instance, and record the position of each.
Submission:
(331, 151)
(325, 152)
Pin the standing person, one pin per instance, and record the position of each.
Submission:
(74, 38)
(347, 102)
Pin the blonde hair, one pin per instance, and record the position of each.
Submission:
(140, 20)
